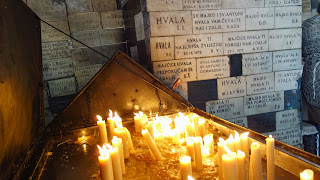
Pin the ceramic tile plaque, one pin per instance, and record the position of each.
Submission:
(231, 87)
(213, 67)
(256, 63)
(226, 108)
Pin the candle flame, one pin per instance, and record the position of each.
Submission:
(205, 151)
(104, 151)
(110, 114)
(201, 121)
(207, 139)
(240, 153)
(230, 139)
(270, 136)
(185, 159)
(99, 117)
(244, 135)
(227, 149)
(115, 138)
(190, 178)
(306, 174)
(236, 134)
(221, 140)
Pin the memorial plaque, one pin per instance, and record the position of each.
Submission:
(227, 4)
(62, 87)
(270, 3)
(79, 6)
(286, 80)
(242, 121)
(139, 26)
(263, 103)
(231, 87)
(57, 68)
(50, 34)
(169, 71)
(281, 39)
(53, 50)
(201, 4)
(164, 5)
(306, 6)
(287, 60)
(245, 42)
(287, 119)
(170, 23)
(49, 10)
(287, 17)
(104, 5)
(259, 18)
(226, 108)
(182, 90)
(89, 38)
(212, 21)
(85, 73)
(162, 48)
(112, 19)
(213, 67)
(110, 49)
(256, 63)
(45, 99)
(308, 129)
(111, 36)
(84, 21)
(260, 83)
(289, 136)
(86, 56)
(202, 45)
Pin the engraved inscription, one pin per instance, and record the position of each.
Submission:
(256, 63)
(50, 34)
(287, 119)
(53, 50)
(284, 39)
(289, 136)
(306, 6)
(286, 80)
(89, 38)
(243, 121)
(201, 4)
(287, 60)
(259, 18)
(62, 87)
(286, 17)
(242, 3)
(162, 48)
(231, 87)
(260, 83)
(283, 2)
(213, 67)
(85, 73)
(112, 19)
(164, 5)
(84, 21)
(111, 36)
(226, 108)
(57, 68)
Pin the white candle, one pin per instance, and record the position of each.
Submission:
(245, 143)
(123, 134)
(117, 119)
(185, 167)
(102, 130)
(255, 170)
(111, 123)
(307, 174)
(208, 143)
(197, 153)
(190, 148)
(203, 128)
(195, 118)
(237, 142)
(270, 158)
(117, 142)
(151, 144)
(241, 164)
(230, 143)
(105, 163)
(176, 137)
(150, 128)
(116, 163)
(139, 121)
(229, 164)
(221, 151)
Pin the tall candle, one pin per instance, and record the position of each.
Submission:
(139, 121)
(117, 142)
(230, 143)
(102, 130)
(190, 148)
(151, 144)
(116, 163)
(105, 163)
(208, 143)
(176, 137)
(203, 128)
(111, 123)
(221, 151)
(117, 119)
(123, 134)
(150, 128)
(195, 118)
(307, 174)
(237, 142)
(197, 153)
(245, 143)
(255, 162)
(185, 167)
(270, 158)
(229, 165)
(241, 164)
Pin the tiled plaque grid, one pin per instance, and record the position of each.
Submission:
(67, 64)
(249, 51)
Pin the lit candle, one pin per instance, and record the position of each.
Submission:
(150, 128)
(255, 170)
(245, 143)
(117, 119)
(197, 153)
(221, 151)
(195, 118)
(241, 165)
(176, 137)
(105, 163)
(185, 167)
(190, 178)
(189, 130)
(307, 174)
(122, 133)
(270, 158)
(229, 164)
(139, 121)
(190, 148)
(111, 123)
(117, 142)
(203, 128)
(116, 163)
(208, 143)
(151, 144)
(230, 143)
(237, 142)
(102, 130)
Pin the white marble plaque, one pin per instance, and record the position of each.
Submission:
(182, 90)
(226, 108)
(53, 50)
(213, 67)
(212, 21)
(111, 36)
(169, 71)
(138, 21)
(256, 63)
(164, 5)
(201, 4)
(231, 87)
(104, 5)
(49, 10)
(288, 17)
(289, 136)
(89, 38)
(112, 19)
(287, 119)
(283, 3)
(162, 48)
(62, 87)
(84, 21)
(245, 42)
(202, 45)
(308, 129)
(85, 73)
(259, 18)
(242, 121)
(287, 60)
(49, 34)
(79, 6)
(260, 83)
(287, 80)
(170, 23)
(57, 68)
(86, 56)
(227, 4)
(285, 39)
(263, 103)
(306, 6)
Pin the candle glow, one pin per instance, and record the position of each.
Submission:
(307, 174)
